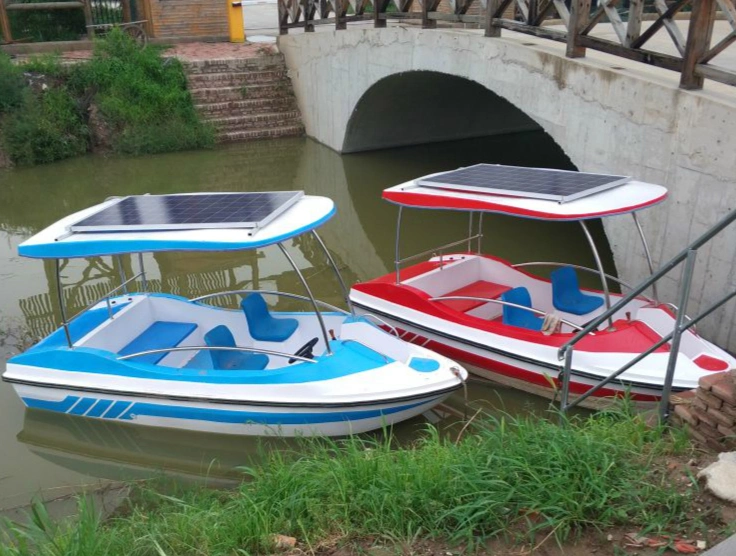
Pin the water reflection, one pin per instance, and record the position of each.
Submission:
(360, 238)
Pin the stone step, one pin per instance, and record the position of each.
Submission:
(246, 107)
(257, 121)
(266, 133)
(260, 63)
(245, 92)
(234, 79)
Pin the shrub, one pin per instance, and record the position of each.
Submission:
(12, 85)
(44, 129)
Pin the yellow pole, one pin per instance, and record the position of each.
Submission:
(235, 20)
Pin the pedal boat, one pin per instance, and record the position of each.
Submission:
(168, 361)
(487, 312)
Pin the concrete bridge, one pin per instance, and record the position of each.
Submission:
(369, 88)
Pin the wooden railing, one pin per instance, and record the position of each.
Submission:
(568, 21)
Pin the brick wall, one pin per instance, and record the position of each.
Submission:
(709, 412)
(189, 18)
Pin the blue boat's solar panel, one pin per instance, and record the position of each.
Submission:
(181, 212)
(535, 183)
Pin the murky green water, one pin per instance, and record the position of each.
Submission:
(49, 455)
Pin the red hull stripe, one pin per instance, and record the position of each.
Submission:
(419, 200)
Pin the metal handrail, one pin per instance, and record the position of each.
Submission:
(383, 322)
(675, 261)
(271, 292)
(385, 357)
(585, 268)
(507, 303)
(218, 348)
(104, 297)
(435, 249)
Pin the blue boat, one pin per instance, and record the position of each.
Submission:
(164, 360)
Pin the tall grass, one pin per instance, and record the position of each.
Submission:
(519, 478)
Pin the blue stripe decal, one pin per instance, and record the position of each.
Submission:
(116, 410)
(99, 408)
(82, 407)
(243, 417)
(62, 405)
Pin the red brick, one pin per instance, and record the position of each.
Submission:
(709, 398)
(697, 436)
(682, 397)
(727, 431)
(720, 417)
(704, 417)
(709, 431)
(725, 390)
(729, 410)
(706, 382)
(700, 404)
(685, 413)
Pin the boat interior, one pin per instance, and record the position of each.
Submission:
(145, 322)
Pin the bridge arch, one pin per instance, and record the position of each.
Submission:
(421, 106)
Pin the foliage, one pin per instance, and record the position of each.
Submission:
(44, 128)
(513, 477)
(12, 85)
(47, 25)
(142, 95)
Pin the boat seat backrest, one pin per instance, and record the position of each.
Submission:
(262, 325)
(515, 316)
(220, 336)
(566, 294)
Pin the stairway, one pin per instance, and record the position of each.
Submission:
(245, 99)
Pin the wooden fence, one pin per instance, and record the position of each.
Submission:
(575, 21)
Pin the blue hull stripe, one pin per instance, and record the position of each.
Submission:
(123, 410)
(99, 408)
(82, 407)
(116, 410)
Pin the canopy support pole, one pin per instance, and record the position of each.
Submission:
(397, 260)
(647, 253)
(337, 272)
(480, 231)
(470, 231)
(311, 297)
(599, 265)
(62, 310)
(121, 271)
(144, 282)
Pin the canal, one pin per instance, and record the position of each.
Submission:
(46, 455)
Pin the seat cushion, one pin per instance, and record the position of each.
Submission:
(479, 288)
(261, 325)
(160, 335)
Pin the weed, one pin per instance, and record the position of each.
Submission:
(12, 84)
(512, 477)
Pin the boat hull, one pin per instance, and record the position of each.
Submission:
(519, 372)
(227, 418)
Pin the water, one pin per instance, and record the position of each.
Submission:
(48, 455)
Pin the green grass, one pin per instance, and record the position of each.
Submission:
(517, 478)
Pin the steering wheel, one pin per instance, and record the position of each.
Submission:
(305, 350)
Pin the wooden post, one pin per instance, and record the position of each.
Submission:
(88, 21)
(578, 20)
(340, 10)
(699, 36)
(125, 4)
(309, 8)
(633, 27)
(379, 7)
(533, 11)
(283, 17)
(5, 23)
(426, 22)
(491, 9)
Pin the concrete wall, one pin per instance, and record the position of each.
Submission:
(607, 118)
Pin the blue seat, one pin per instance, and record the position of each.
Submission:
(262, 325)
(566, 294)
(220, 336)
(514, 316)
(160, 335)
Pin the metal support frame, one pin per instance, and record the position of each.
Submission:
(602, 274)
(311, 297)
(397, 257)
(144, 281)
(470, 231)
(687, 280)
(480, 232)
(60, 292)
(647, 253)
(345, 292)
(121, 271)
(271, 292)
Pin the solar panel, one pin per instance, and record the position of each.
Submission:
(535, 183)
(187, 212)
